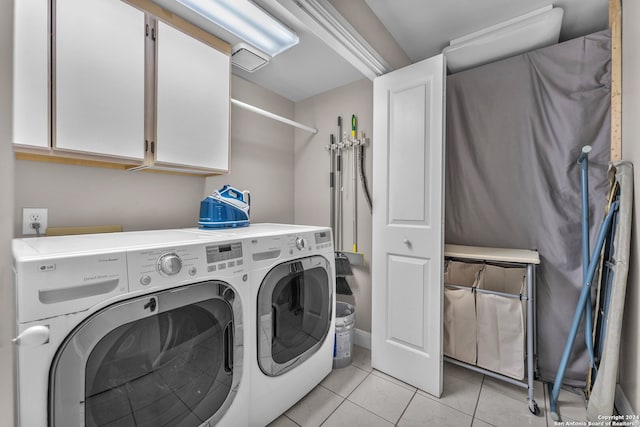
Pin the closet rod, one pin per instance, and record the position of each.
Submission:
(272, 115)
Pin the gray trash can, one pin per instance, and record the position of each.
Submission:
(343, 345)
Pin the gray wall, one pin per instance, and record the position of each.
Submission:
(82, 195)
(312, 176)
(629, 359)
(261, 154)
(261, 160)
(6, 220)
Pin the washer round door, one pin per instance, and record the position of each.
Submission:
(160, 359)
(295, 303)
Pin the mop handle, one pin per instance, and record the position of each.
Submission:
(584, 153)
(583, 160)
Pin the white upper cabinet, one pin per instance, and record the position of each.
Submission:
(109, 81)
(99, 78)
(31, 73)
(192, 102)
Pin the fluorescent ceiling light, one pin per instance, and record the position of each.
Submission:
(248, 22)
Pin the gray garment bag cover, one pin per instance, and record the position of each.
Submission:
(515, 129)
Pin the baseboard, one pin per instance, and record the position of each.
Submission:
(622, 403)
(362, 338)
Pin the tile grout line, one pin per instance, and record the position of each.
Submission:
(406, 407)
(285, 415)
(437, 399)
(332, 412)
(371, 412)
(390, 382)
(343, 398)
(475, 409)
(394, 383)
(359, 384)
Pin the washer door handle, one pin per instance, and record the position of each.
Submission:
(35, 335)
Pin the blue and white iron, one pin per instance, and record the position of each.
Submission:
(225, 208)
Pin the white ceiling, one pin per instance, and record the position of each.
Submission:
(422, 28)
(307, 69)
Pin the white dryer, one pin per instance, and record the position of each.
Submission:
(131, 329)
(292, 300)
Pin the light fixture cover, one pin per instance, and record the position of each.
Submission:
(247, 21)
(532, 31)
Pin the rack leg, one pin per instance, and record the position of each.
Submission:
(533, 406)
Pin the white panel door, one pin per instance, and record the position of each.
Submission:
(192, 102)
(99, 78)
(31, 73)
(408, 153)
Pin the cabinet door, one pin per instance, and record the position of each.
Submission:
(192, 102)
(31, 73)
(99, 78)
(408, 163)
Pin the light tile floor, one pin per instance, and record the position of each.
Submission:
(358, 395)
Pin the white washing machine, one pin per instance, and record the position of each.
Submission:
(291, 301)
(132, 329)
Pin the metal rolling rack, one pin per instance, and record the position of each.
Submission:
(516, 258)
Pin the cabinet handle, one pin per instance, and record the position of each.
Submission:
(153, 146)
(153, 34)
(146, 31)
(146, 145)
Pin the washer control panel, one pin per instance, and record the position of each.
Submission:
(221, 257)
(183, 264)
(300, 243)
(169, 264)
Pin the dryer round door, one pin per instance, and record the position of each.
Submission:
(160, 359)
(295, 303)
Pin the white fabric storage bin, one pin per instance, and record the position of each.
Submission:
(501, 321)
(460, 311)
(462, 273)
(460, 325)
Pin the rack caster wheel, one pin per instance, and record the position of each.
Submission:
(533, 408)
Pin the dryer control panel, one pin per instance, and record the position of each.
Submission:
(268, 248)
(170, 266)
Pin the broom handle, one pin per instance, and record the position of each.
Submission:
(355, 196)
(332, 188)
(338, 245)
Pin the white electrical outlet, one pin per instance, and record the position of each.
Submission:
(34, 215)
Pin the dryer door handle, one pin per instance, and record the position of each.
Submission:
(228, 347)
(275, 319)
(33, 336)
